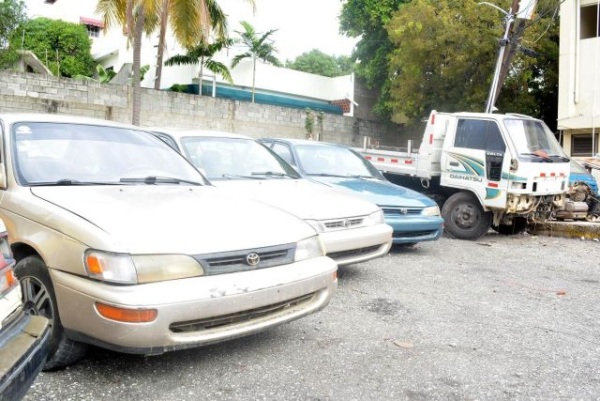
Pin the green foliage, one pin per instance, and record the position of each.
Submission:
(438, 63)
(180, 88)
(259, 46)
(12, 14)
(203, 54)
(317, 62)
(309, 122)
(61, 45)
(367, 19)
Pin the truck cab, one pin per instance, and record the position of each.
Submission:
(512, 163)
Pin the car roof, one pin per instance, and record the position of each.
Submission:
(12, 118)
(178, 133)
(306, 142)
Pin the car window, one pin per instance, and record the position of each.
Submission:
(51, 152)
(283, 151)
(334, 160)
(224, 158)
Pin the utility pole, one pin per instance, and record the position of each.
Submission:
(519, 11)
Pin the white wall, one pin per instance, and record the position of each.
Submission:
(111, 50)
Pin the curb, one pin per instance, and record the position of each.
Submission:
(566, 229)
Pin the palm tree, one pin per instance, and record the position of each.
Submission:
(191, 21)
(202, 54)
(136, 17)
(260, 47)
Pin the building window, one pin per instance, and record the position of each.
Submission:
(581, 145)
(589, 22)
(93, 26)
(93, 31)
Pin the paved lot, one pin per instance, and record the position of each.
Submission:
(503, 318)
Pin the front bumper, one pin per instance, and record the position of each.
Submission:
(413, 229)
(357, 244)
(24, 346)
(195, 311)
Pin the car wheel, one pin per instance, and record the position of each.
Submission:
(518, 226)
(39, 299)
(464, 218)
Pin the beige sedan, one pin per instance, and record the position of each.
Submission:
(121, 243)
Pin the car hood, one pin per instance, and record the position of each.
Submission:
(383, 193)
(305, 199)
(170, 219)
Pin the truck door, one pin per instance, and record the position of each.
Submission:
(477, 161)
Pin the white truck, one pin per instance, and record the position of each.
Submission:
(484, 169)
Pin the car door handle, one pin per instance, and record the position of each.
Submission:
(454, 164)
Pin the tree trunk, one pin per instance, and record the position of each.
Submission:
(164, 16)
(136, 81)
(253, 77)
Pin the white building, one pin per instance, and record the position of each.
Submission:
(274, 85)
(579, 78)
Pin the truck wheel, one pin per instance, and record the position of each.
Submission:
(464, 218)
(518, 226)
(39, 299)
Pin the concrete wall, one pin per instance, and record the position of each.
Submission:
(37, 93)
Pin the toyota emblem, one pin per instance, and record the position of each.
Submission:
(252, 259)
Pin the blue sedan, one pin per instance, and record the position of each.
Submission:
(413, 216)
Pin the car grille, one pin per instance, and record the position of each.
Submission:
(353, 252)
(342, 224)
(239, 317)
(230, 262)
(401, 211)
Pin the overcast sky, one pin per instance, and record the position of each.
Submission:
(302, 25)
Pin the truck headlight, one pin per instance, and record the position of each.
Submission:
(127, 269)
(309, 248)
(374, 218)
(431, 211)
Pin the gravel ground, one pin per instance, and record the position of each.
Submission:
(502, 318)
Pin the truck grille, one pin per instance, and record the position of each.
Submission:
(244, 260)
(239, 317)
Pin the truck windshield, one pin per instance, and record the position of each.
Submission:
(534, 140)
(77, 154)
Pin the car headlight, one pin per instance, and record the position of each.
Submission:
(431, 211)
(374, 218)
(127, 269)
(317, 225)
(309, 248)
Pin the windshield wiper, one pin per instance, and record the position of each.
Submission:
(65, 182)
(153, 179)
(271, 174)
(544, 158)
(563, 158)
(329, 175)
(369, 177)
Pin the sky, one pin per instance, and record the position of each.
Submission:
(302, 25)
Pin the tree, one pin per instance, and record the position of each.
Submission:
(136, 17)
(439, 64)
(367, 19)
(203, 54)
(12, 14)
(317, 62)
(64, 46)
(260, 47)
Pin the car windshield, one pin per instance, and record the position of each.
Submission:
(77, 154)
(532, 138)
(325, 160)
(222, 158)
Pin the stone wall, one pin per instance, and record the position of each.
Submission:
(20, 92)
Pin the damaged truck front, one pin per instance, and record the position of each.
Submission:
(486, 170)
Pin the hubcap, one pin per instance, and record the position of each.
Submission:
(465, 216)
(37, 299)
